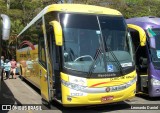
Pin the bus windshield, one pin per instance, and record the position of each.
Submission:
(154, 39)
(96, 41)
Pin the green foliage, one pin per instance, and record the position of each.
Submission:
(3, 8)
(16, 26)
(140, 8)
(15, 14)
(15, 4)
(21, 12)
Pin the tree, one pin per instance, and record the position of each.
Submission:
(22, 12)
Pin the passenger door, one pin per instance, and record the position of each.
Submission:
(44, 84)
(54, 58)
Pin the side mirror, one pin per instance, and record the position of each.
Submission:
(58, 32)
(142, 34)
(6, 25)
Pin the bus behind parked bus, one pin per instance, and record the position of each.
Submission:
(4, 35)
(145, 32)
(78, 55)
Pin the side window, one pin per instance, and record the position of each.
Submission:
(51, 42)
(53, 50)
(41, 48)
(135, 38)
(140, 51)
(27, 43)
(42, 57)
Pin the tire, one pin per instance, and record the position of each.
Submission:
(20, 74)
(47, 104)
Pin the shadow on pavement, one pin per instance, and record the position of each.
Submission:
(6, 98)
(31, 85)
(146, 97)
(85, 109)
(94, 108)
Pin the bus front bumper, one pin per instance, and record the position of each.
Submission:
(154, 91)
(99, 98)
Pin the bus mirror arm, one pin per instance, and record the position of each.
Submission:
(57, 32)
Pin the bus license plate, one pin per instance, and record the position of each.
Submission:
(107, 98)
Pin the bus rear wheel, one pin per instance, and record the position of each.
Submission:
(20, 74)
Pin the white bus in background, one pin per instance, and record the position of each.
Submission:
(5, 26)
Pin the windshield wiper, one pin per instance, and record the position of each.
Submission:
(93, 65)
(115, 58)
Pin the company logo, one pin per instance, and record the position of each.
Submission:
(107, 89)
(20, 107)
(6, 107)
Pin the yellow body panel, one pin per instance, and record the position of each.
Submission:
(38, 78)
(38, 74)
(81, 8)
(95, 97)
(28, 60)
(142, 33)
(58, 32)
(43, 83)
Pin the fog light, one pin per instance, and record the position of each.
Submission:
(157, 90)
(69, 98)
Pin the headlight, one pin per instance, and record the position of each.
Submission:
(132, 81)
(73, 86)
(76, 87)
(155, 82)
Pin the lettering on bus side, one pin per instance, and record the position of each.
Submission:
(122, 77)
(76, 94)
(106, 75)
(117, 78)
(130, 76)
(23, 55)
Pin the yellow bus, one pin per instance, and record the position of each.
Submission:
(78, 55)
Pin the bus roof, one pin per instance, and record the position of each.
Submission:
(145, 22)
(82, 8)
(79, 8)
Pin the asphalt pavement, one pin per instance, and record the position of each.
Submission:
(16, 92)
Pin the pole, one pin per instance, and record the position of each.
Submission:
(8, 4)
